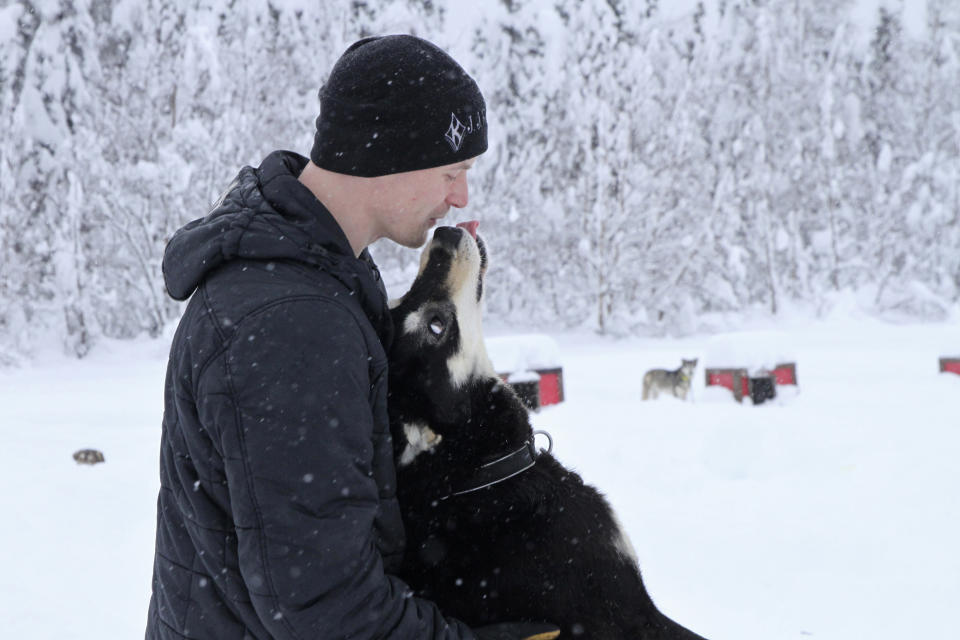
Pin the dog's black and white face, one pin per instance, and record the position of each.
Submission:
(438, 350)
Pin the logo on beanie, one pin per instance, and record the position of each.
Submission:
(454, 134)
(457, 130)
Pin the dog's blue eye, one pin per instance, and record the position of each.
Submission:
(436, 326)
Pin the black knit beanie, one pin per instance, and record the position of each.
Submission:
(394, 104)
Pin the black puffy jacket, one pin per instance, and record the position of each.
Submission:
(277, 515)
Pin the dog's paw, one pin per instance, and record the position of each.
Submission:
(518, 631)
(420, 438)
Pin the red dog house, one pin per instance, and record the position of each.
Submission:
(951, 365)
(737, 379)
(528, 362)
(751, 363)
(551, 385)
(785, 373)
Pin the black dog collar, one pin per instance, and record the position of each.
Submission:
(503, 468)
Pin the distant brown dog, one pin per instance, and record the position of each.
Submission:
(88, 456)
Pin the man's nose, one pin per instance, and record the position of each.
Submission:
(459, 192)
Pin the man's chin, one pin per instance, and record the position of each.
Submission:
(414, 242)
(422, 235)
(425, 234)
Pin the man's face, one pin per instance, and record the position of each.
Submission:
(408, 204)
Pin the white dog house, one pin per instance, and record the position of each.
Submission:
(529, 362)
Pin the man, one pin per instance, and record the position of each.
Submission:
(277, 515)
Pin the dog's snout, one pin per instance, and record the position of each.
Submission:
(448, 237)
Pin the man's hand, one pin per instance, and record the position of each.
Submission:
(518, 631)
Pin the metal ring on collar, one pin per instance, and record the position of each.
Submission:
(549, 440)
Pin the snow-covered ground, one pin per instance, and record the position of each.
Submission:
(832, 514)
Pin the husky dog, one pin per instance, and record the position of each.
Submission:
(496, 531)
(676, 382)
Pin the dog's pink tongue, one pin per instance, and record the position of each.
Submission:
(471, 227)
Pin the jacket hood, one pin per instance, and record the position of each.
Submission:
(268, 214)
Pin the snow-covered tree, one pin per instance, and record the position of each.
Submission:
(645, 172)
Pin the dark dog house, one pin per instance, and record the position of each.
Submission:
(763, 387)
(950, 365)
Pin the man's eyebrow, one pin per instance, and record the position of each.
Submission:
(466, 164)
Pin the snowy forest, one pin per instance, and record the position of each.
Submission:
(648, 172)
